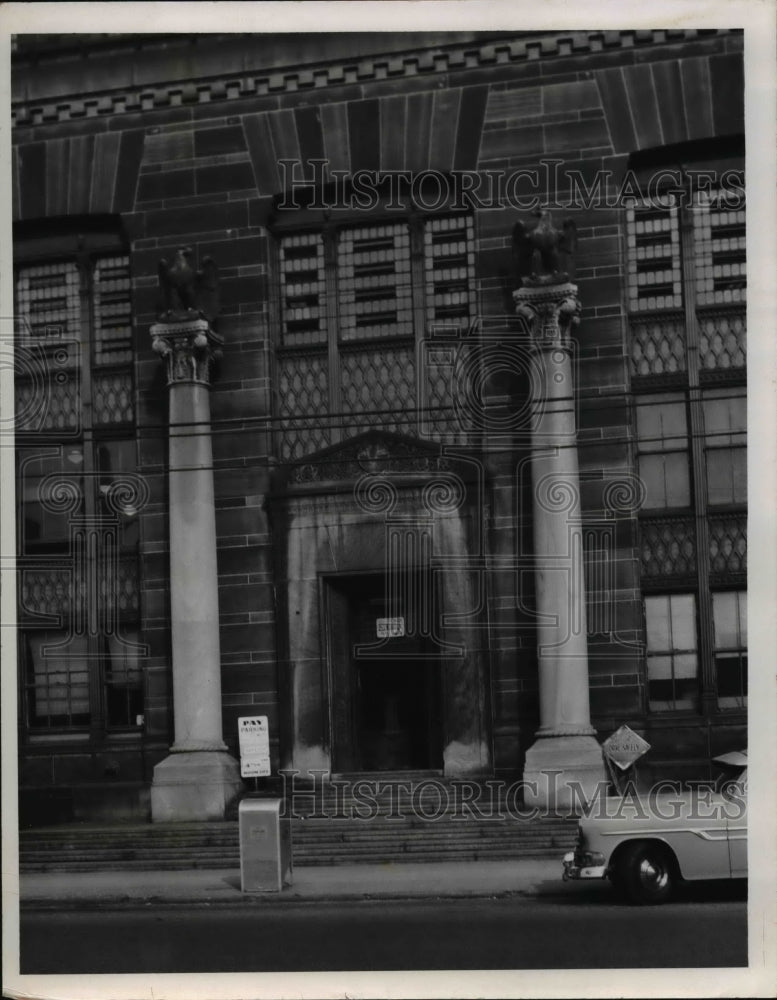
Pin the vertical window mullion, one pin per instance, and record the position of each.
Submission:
(332, 320)
(420, 310)
(94, 664)
(696, 427)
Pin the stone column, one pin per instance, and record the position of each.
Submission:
(199, 778)
(566, 751)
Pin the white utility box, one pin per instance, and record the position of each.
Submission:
(265, 846)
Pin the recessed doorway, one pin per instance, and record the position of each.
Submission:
(385, 683)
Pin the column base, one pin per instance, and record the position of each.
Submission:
(465, 760)
(195, 785)
(563, 772)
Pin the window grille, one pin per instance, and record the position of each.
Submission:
(373, 281)
(302, 284)
(112, 311)
(449, 265)
(719, 250)
(655, 274)
(47, 303)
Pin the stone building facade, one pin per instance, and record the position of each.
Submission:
(376, 410)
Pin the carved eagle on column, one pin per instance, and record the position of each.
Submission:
(186, 290)
(542, 253)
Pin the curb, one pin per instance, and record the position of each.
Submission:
(247, 900)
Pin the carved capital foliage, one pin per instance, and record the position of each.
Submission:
(188, 349)
(552, 312)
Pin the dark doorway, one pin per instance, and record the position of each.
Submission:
(386, 692)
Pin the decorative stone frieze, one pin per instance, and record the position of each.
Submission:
(470, 55)
(376, 452)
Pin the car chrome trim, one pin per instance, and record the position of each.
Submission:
(636, 833)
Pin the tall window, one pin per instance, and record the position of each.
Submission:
(725, 427)
(662, 447)
(354, 301)
(78, 492)
(729, 609)
(672, 657)
(687, 290)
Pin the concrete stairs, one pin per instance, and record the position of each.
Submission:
(434, 821)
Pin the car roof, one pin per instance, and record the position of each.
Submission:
(737, 758)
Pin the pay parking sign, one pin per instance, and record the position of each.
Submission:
(254, 736)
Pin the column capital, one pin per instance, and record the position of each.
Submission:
(188, 347)
(552, 311)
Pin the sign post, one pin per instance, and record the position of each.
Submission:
(264, 832)
(623, 749)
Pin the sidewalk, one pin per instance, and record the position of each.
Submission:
(437, 880)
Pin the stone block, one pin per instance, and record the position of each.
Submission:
(226, 177)
(575, 136)
(508, 142)
(560, 771)
(218, 141)
(170, 184)
(194, 786)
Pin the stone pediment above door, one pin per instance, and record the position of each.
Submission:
(378, 453)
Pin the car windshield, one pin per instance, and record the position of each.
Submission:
(732, 783)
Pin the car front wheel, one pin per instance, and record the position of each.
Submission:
(644, 872)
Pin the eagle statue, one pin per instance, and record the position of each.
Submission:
(186, 290)
(543, 254)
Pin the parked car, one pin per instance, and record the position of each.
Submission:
(646, 844)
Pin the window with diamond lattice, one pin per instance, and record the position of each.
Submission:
(355, 300)
(77, 550)
(687, 319)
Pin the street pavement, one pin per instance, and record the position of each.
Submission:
(444, 915)
(582, 930)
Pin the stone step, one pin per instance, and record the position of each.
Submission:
(307, 833)
(312, 854)
(316, 841)
(346, 853)
(356, 837)
(157, 835)
(376, 845)
(208, 832)
(317, 860)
